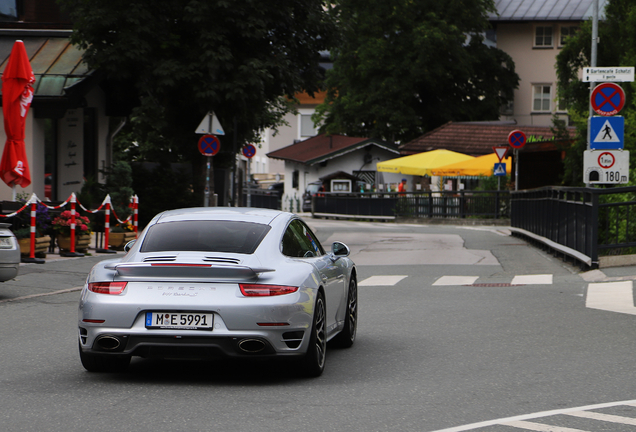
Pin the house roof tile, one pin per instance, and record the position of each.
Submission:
(476, 138)
(322, 147)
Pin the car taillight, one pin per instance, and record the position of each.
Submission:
(113, 288)
(258, 290)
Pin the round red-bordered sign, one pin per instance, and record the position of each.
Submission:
(517, 139)
(606, 160)
(209, 145)
(607, 99)
(249, 151)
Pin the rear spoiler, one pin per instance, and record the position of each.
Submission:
(186, 271)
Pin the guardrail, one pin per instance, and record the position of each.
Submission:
(582, 223)
(445, 204)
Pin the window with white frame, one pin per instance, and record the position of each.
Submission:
(543, 36)
(566, 32)
(307, 128)
(541, 97)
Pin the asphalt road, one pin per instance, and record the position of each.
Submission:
(445, 339)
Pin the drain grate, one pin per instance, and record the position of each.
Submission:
(495, 285)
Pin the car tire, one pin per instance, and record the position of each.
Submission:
(103, 363)
(347, 336)
(313, 363)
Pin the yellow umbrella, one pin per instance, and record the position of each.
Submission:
(479, 166)
(422, 163)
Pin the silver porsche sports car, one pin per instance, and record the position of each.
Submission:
(208, 282)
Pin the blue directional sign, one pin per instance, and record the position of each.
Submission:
(500, 169)
(607, 133)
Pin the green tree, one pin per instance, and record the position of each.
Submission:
(616, 47)
(405, 67)
(183, 58)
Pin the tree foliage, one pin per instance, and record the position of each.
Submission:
(616, 47)
(185, 58)
(405, 67)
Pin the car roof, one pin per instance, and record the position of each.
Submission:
(246, 214)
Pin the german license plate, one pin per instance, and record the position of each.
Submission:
(179, 320)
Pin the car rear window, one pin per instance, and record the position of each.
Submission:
(205, 236)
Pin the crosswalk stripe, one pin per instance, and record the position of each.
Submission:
(381, 280)
(539, 279)
(539, 427)
(611, 296)
(455, 280)
(603, 417)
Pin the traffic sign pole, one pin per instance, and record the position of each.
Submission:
(517, 139)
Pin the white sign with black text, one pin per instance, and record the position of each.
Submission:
(606, 166)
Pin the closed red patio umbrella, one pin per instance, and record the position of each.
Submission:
(17, 94)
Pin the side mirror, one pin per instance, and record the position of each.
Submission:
(129, 245)
(339, 249)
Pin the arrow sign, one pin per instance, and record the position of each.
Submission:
(607, 133)
(210, 125)
(501, 152)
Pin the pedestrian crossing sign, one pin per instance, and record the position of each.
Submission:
(607, 133)
(500, 169)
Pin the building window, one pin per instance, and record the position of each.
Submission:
(566, 32)
(543, 36)
(541, 98)
(307, 128)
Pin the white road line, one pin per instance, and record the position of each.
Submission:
(455, 280)
(611, 296)
(41, 295)
(381, 280)
(539, 427)
(604, 417)
(536, 415)
(539, 279)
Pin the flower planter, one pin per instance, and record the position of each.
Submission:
(41, 245)
(117, 240)
(81, 242)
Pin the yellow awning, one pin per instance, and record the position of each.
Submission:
(422, 163)
(479, 166)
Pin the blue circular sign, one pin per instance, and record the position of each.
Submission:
(607, 99)
(249, 151)
(209, 145)
(517, 139)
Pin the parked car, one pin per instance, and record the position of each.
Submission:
(276, 188)
(9, 253)
(312, 189)
(201, 282)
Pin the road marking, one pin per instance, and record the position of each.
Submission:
(455, 280)
(539, 279)
(539, 427)
(64, 291)
(542, 414)
(611, 296)
(381, 280)
(604, 417)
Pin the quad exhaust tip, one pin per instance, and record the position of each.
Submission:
(251, 345)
